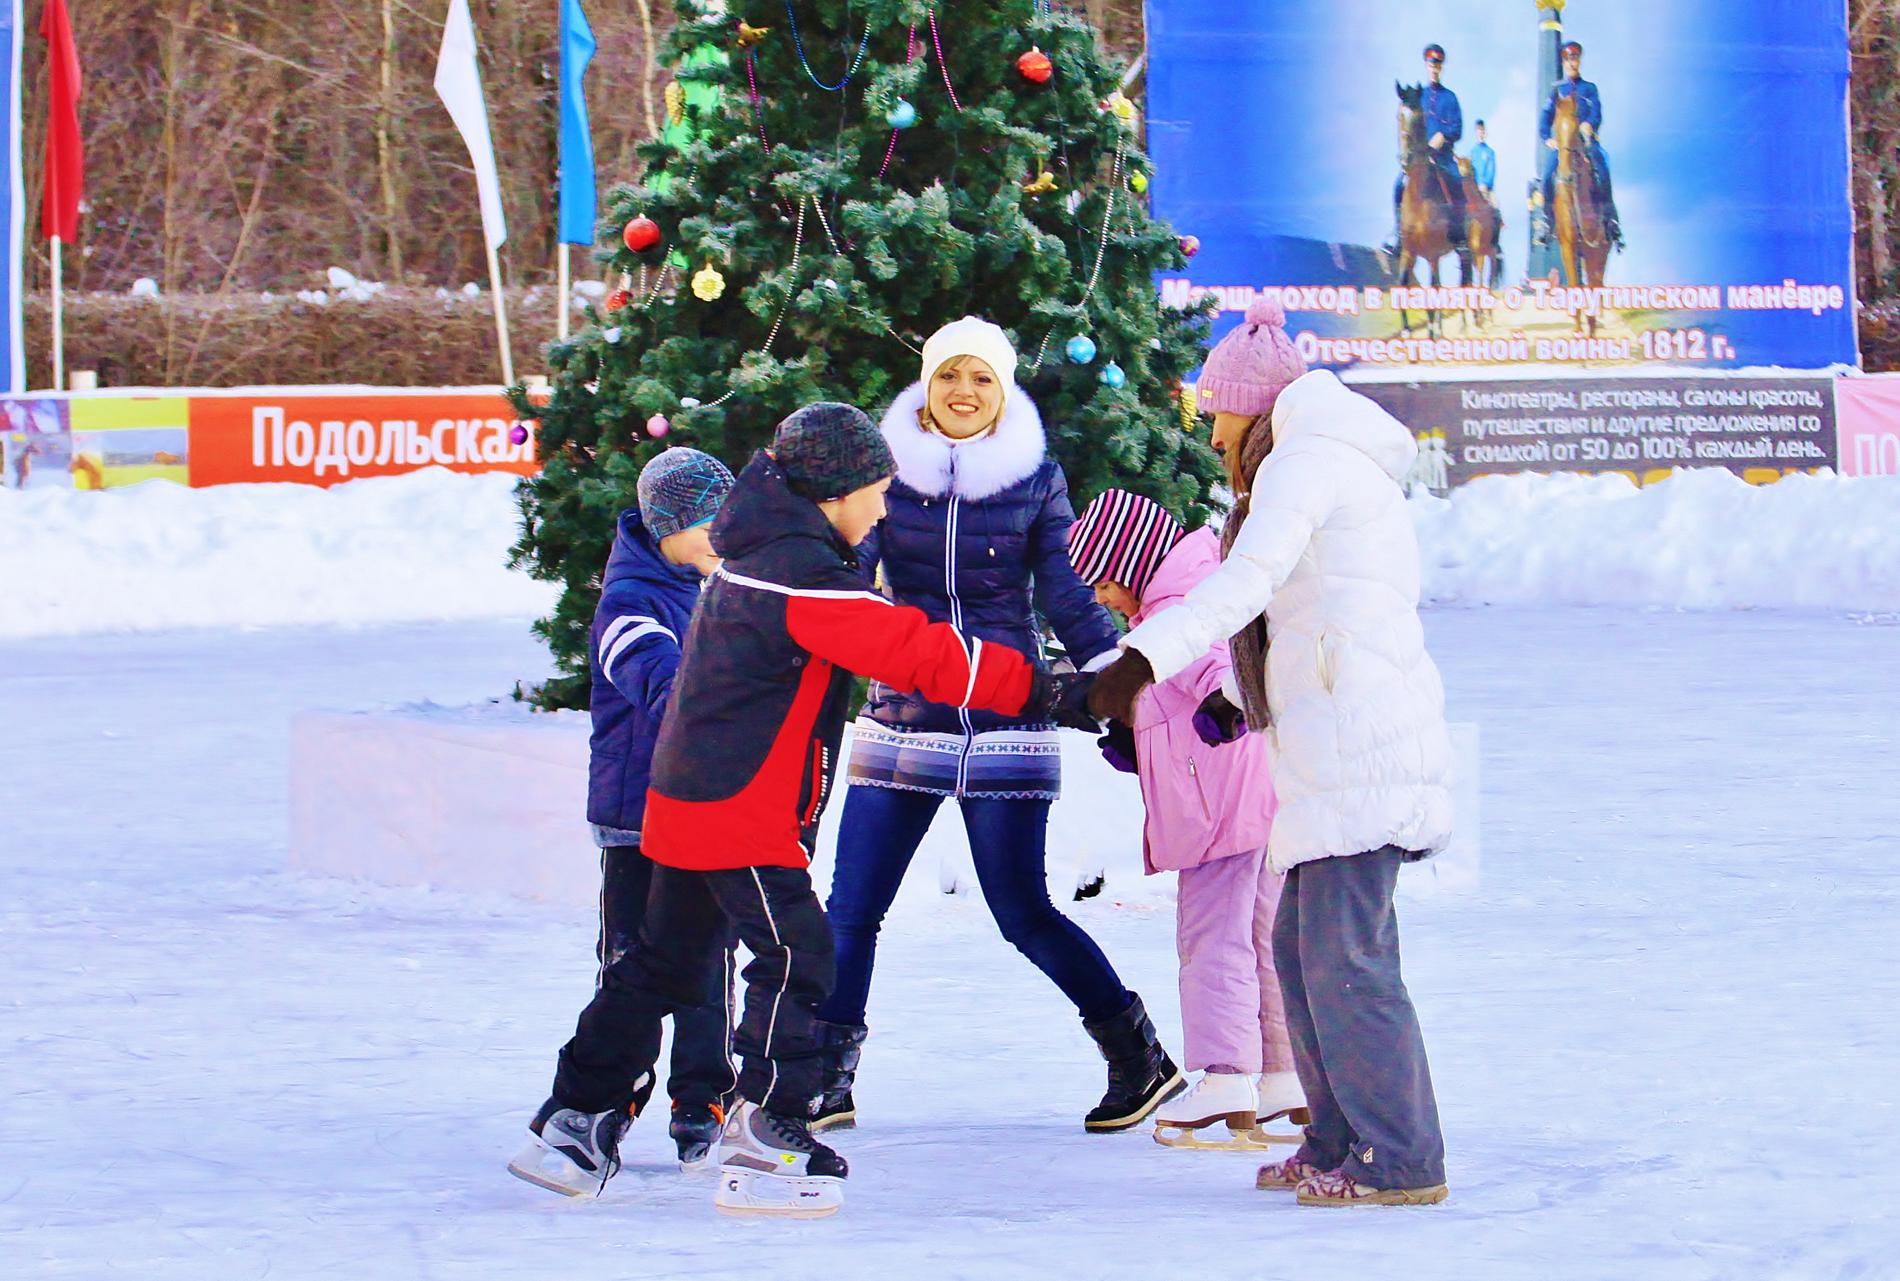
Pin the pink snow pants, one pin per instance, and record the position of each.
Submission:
(1231, 1009)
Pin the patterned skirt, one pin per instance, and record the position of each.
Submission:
(1000, 764)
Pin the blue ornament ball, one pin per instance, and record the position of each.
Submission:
(902, 116)
(1080, 349)
(1112, 375)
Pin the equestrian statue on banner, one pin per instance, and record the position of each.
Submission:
(1436, 207)
(1580, 209)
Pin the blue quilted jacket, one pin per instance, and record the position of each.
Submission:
(977, 537)
(633, 653)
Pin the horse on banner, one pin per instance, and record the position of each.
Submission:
(1582, 231)
(1428, 227)
(1484, 227)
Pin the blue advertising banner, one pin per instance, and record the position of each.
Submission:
(12, 203)
(1528, 185)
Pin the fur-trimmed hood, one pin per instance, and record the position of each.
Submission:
(983, 467)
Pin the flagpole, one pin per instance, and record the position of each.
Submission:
(59, 319)
(564, 302)
(501, 316)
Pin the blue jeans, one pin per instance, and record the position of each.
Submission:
(879, 833)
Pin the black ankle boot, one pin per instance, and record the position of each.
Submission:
(1141, 1076)
(841, 1044)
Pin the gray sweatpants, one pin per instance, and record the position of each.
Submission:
(1356, 1043)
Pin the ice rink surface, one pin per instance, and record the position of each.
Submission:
(1663, 1028)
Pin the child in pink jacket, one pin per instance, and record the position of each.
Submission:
(1210, 803)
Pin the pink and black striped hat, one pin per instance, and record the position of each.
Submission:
(1122, 538)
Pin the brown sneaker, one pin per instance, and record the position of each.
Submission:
(1336, 1187)
(1285, 1176)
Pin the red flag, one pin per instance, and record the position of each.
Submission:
(65, 152)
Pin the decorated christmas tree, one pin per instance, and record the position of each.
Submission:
(837, 179)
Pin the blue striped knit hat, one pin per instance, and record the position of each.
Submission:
(1122, 538)
(681, 488)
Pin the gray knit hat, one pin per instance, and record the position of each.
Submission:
(681, 488)
(827, 450)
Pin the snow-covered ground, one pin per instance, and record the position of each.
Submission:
(1663, 1028)
(433, 547)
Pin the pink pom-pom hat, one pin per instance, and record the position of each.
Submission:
(1252, 365)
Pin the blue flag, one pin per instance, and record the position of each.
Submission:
(577, 144)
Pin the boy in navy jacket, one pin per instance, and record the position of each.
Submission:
(661, 557)
(740, 775)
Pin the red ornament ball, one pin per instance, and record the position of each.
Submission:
(1036, 67)
(518, 434)
(1190, 245)
(641, 234)
(618, 299)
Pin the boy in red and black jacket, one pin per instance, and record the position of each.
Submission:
(740, 775)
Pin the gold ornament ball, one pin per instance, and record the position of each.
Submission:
(1124, 109)
(1190, 410)
(708, 284)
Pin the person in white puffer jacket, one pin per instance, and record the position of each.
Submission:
(1318, 591)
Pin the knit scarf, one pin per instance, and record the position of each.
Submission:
(1249, 644)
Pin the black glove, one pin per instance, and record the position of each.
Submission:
(1062, 699)
(1118, 747)
(1218, 721)
(1118, 685)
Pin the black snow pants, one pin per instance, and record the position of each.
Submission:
(689, 916)
(701, 1071)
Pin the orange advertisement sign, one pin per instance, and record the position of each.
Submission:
(326, 439)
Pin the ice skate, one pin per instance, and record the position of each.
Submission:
(1194, 1119)
(770, 1164)
(1340, 1188)
(1285, 1176)
(573, 1153)
(695, 1129)
(1282, 1116)
(1140, 1073)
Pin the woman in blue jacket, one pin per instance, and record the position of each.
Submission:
(976, 537)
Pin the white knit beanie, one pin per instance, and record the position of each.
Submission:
(972, 336)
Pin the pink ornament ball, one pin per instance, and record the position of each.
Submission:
(657, 426)
(1190, 245)
(518, 434)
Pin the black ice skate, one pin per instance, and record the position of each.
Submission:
(770, 1164)
(841, 1045)
(1141, 1076)
(573, 1153)
(695, 1128)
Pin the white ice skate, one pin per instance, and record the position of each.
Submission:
(573, 1153)
(1216, 1097)
(770, 1164)
(1282, 1116)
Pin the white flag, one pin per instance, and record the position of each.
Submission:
(458, 82)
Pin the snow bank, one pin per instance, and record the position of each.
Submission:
(432, 546)
(1701, 539)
